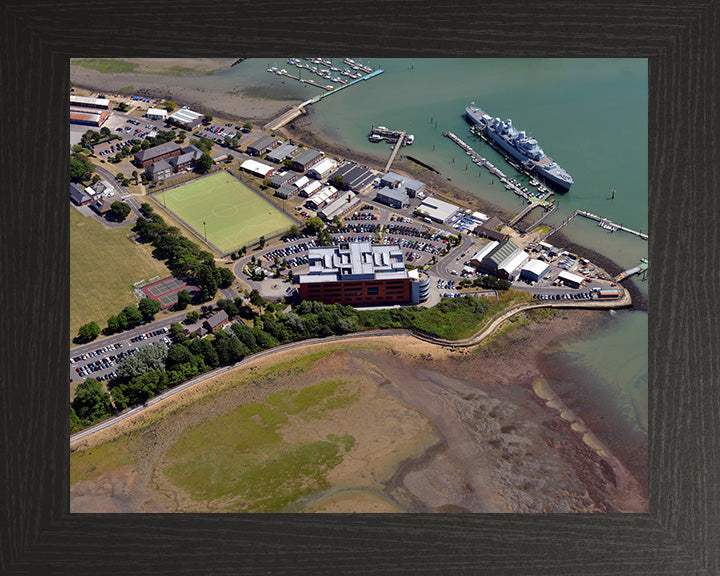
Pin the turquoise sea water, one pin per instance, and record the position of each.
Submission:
(589, 115)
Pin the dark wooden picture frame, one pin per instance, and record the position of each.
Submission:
(680, 535)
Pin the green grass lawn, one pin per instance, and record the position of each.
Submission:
(241, 454)
(104, 264)
(233, 214)
(105, 65)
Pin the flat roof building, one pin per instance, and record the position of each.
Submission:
(489, 228)
(162, 151)
(186, 117)
(395, 180)
(437, 210)
(392, 197)
(89, 102)
(356, 273)
(157, 113)
(88, 116)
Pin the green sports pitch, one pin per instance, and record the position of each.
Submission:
(233, 215)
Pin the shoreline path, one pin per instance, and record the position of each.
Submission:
(488, 330)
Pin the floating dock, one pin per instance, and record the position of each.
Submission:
(509, 183)
(297, 111)
(602, 222)
(640, 269)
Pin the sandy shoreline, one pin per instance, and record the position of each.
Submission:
(525, 433)
(234, 106)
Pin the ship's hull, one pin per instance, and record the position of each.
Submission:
(479, 118)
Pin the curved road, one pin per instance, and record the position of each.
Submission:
(487, 331)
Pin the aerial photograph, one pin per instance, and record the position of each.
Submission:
(358, 285)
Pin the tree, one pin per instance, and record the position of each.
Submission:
(204, 163)
(314, 224)
(226, 277)
(169, 105)
(88, 332)
(256, 299)
(339, 182)
(261, 242)
(146, 359)
(126, 182)
(208, 118)
(248, 125)
(91, 402)
(148, 308)
(177, 354)
(133, 315)
(79, 170)
(112, 325)
(192, 317)
(105, 131)
(181, 138)
(184, 299)
(135, 174)
(119, 210)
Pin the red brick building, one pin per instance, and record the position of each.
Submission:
(161, 152)
(358, 274)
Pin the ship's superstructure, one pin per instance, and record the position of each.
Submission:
(520, 146)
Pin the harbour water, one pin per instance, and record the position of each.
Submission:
(589, 115)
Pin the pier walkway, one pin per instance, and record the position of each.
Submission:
(297, 111)
(602, 222)
(397, 146)
(608, 225)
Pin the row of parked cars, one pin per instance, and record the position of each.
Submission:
(140, 337)
(97, 352)
(414, 245)
(412, 231)
(284, 252)
(576, 296)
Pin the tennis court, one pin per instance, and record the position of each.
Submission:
(229, 212)
(166, 291)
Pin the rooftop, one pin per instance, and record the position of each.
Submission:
(354, 261)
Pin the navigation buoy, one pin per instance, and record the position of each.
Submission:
(613, 195)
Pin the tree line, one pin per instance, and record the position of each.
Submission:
(260, 326)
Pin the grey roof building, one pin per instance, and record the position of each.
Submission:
(281, 152)
(306, 159)
(215, 321)
(394, 180)
(395, 198)
(78, 195)
(262, 145)
(355, 177)
(159, 170)
(277, 180)
(166, 150)
(286, 191)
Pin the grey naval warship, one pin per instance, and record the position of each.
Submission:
(521, 147)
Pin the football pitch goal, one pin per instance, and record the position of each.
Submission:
(229, 212)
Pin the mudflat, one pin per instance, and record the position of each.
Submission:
(369, 425)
